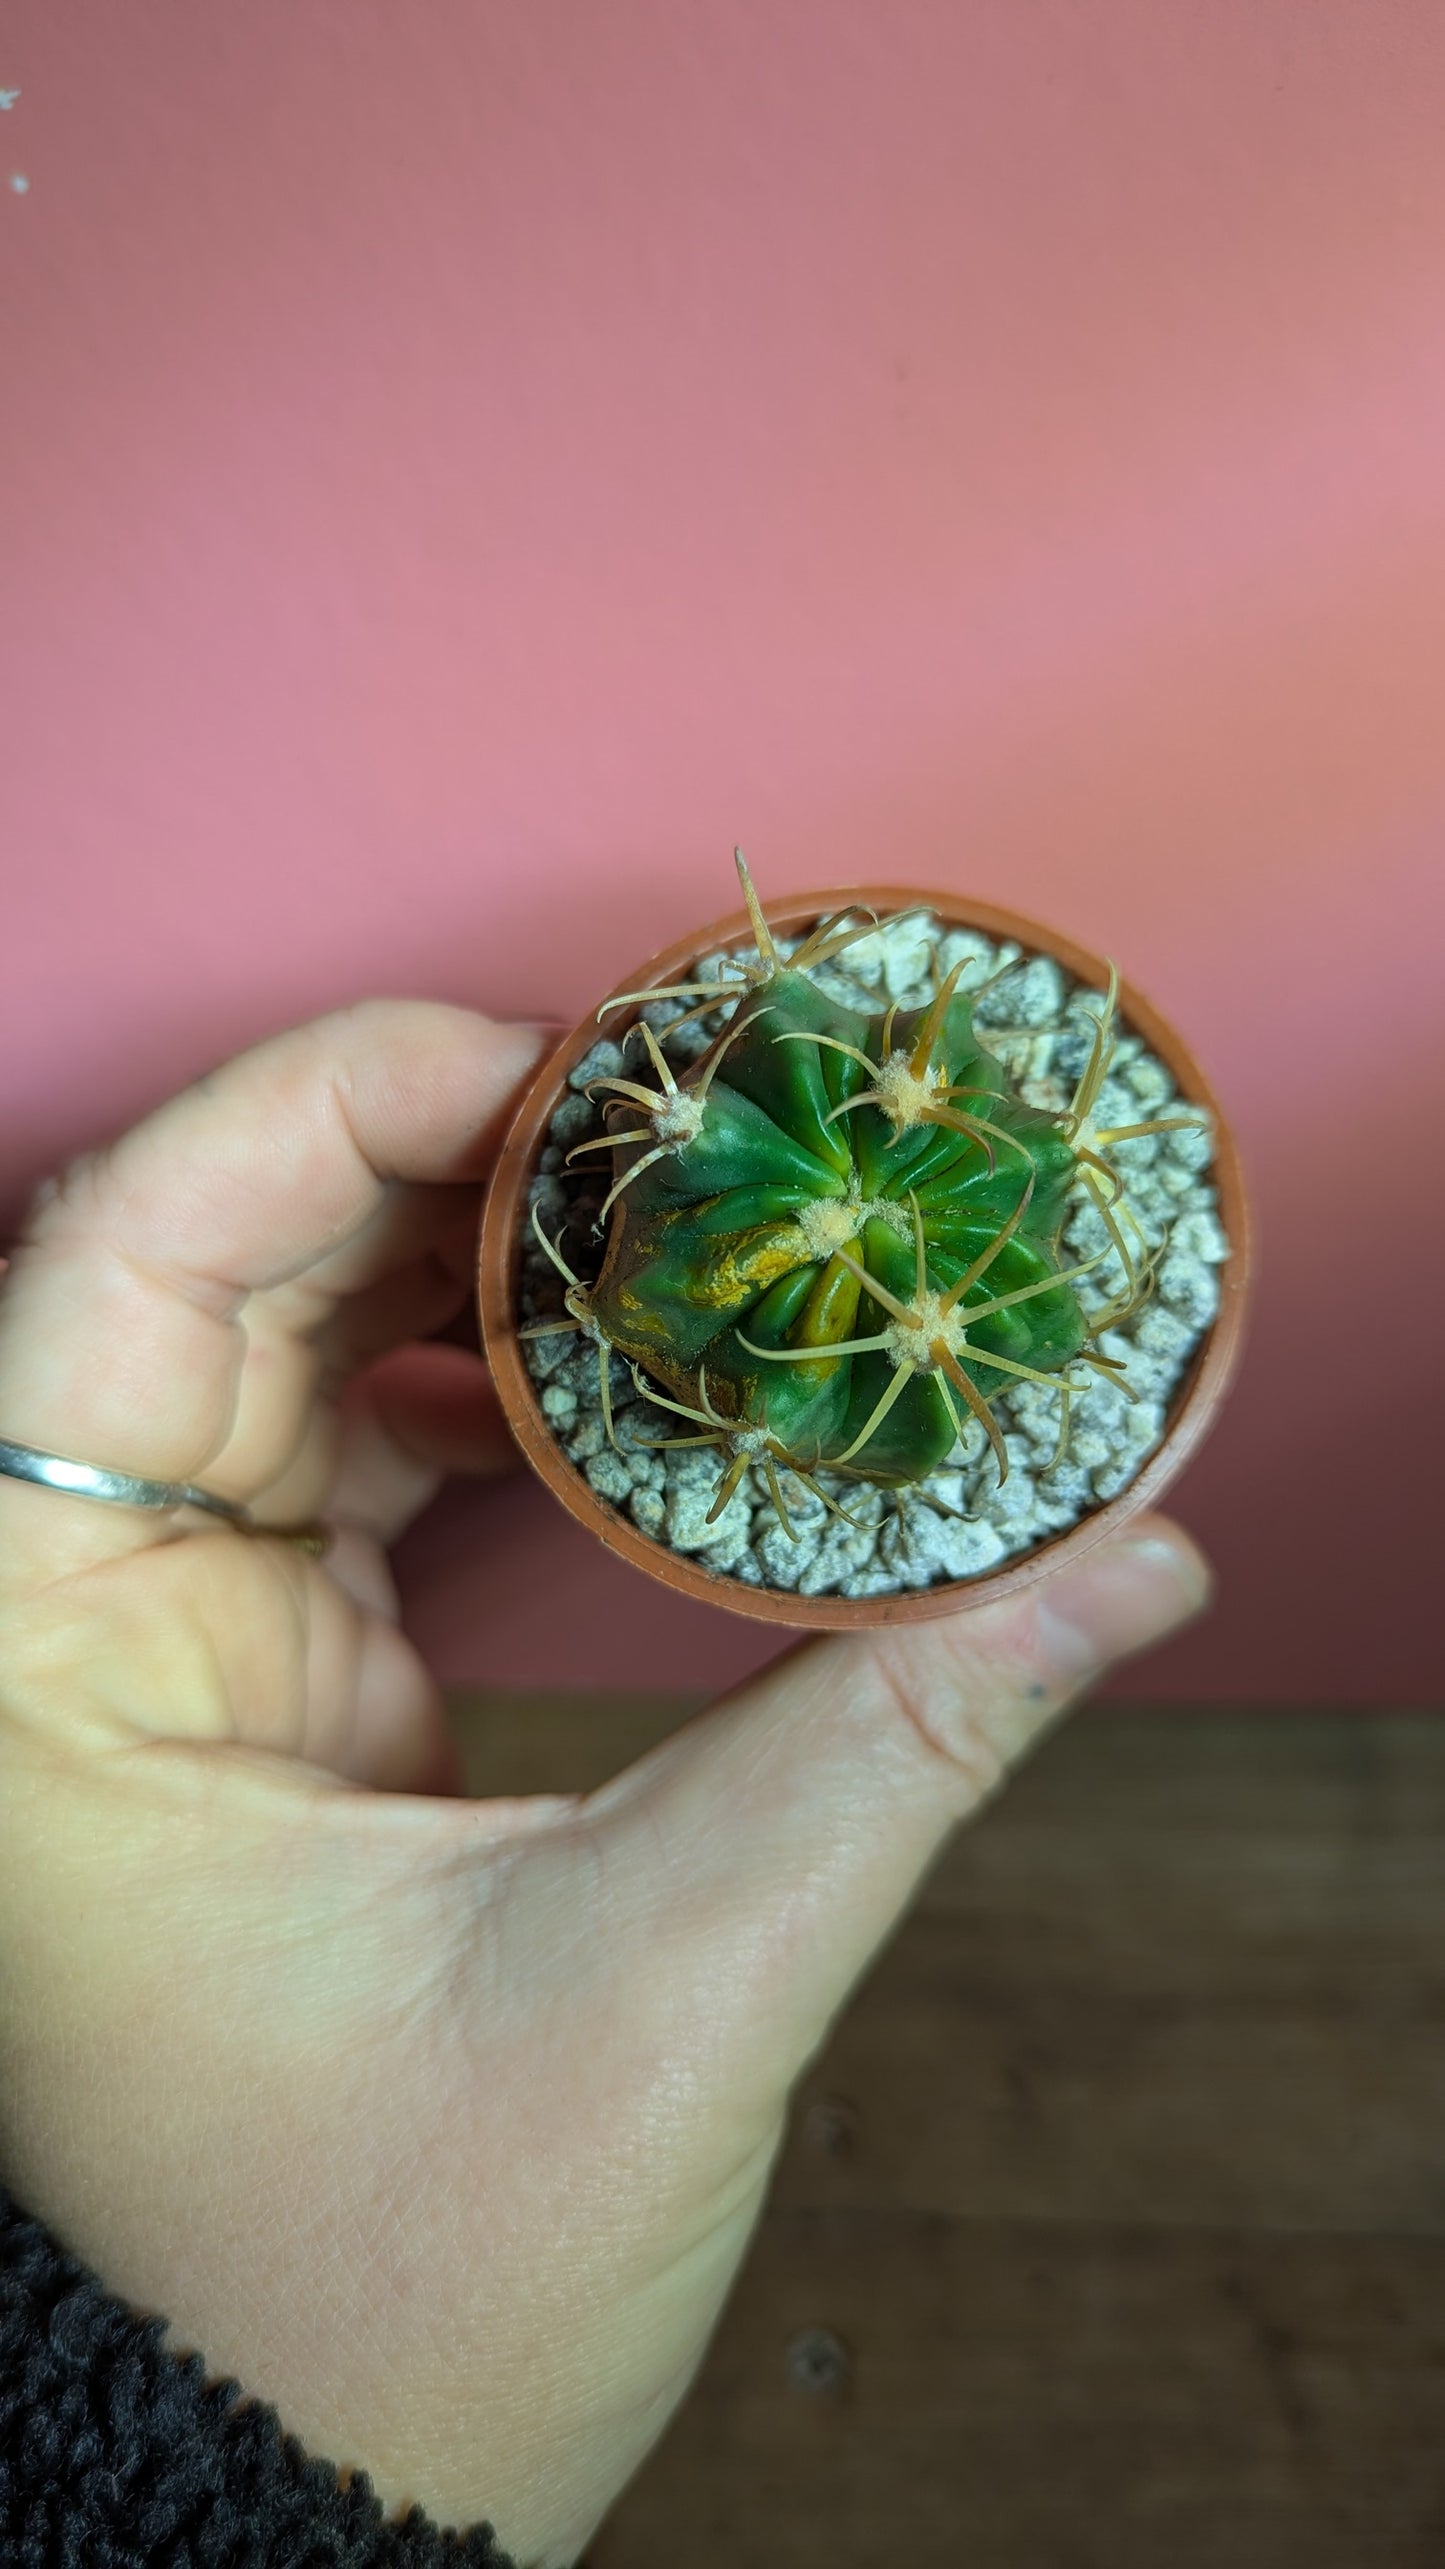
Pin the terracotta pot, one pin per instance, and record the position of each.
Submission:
(1195, 1402)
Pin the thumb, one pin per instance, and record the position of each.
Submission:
(777, 1838)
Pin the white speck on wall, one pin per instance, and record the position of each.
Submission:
(19, 183)
(8, 97)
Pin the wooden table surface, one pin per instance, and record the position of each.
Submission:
(1110, 2230)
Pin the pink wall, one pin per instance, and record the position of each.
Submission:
(465, 466)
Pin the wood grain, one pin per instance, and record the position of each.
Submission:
(1052, 2396)
(1110, 2230)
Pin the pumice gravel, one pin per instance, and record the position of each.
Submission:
(961, 1519)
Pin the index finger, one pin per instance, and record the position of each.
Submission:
(124, 1316)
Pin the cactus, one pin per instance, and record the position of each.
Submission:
(838, 1235)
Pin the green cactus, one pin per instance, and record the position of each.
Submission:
(839, 1234)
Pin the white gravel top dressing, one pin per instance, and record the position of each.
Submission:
(1036, 1019)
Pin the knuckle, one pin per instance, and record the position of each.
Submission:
(974, 1703)
(938, 1706)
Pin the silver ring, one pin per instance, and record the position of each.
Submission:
(127, 1489)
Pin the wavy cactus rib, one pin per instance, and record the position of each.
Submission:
(839, 1235)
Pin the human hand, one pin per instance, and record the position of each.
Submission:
(441, 2124)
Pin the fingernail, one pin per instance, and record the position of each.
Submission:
(1121, 1599)
(1182, 1559)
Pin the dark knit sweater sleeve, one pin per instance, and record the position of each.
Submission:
(117, 2455)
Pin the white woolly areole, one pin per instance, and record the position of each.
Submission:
(928, 1326)
(749, 1440)
(831, 1222)
(904, 1095)
(677, 1118)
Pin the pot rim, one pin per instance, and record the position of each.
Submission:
(1195, 1403)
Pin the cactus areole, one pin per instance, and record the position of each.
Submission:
(838, 1235)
